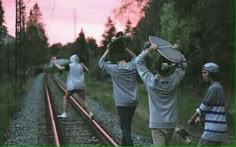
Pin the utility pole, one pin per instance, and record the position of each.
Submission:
(18, 42)
(75, 23)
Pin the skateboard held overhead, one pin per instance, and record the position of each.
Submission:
(167, 50)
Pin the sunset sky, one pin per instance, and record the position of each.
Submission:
(64, 19)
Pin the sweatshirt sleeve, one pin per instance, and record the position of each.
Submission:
(143, 71)
(208, 101)
(179, 74)
(104, 66)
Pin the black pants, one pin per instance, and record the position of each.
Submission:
(126, 114)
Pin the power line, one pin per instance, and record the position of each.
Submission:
(27, 2)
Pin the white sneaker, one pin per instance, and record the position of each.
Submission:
(63, 115)
(91, 116)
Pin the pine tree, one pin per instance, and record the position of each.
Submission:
(36, 41)
(81, 47)
(3, 32)
(110, 31)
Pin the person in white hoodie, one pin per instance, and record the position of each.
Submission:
(75, 83)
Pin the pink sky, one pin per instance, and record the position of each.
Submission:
(59, 17)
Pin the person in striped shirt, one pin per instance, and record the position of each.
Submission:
(212, 109)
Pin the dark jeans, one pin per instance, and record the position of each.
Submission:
(126, 114)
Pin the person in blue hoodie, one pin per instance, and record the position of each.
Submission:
(161, 87)
(212, 109)
(123, 74)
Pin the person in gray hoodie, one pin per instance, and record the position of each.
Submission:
(161, 88)
(123, 75)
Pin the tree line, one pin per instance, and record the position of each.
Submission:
(203, 29)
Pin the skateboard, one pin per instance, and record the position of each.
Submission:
(167, 50)
(117, 47)
(187, 132)
(84, 67)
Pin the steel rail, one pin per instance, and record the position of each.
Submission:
(54, 127)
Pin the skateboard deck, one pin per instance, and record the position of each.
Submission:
(187, 132)
(190, 130)
(166, 49)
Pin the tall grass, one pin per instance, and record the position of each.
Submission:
(9, 105)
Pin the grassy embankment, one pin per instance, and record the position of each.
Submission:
(9, 104)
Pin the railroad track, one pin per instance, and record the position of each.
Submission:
(77, 128)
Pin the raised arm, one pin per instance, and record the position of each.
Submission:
(59, 66)
(143, 71)
(101, 62)
(105, 53)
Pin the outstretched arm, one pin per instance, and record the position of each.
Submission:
(59, 66)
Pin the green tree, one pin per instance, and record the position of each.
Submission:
(36, 42)
(148, 25)
(110, 31)
(216, 35)
(81, 47)
(175, 29)
(54, 49)
(3, 33)
(3, 29)
(92, 48)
